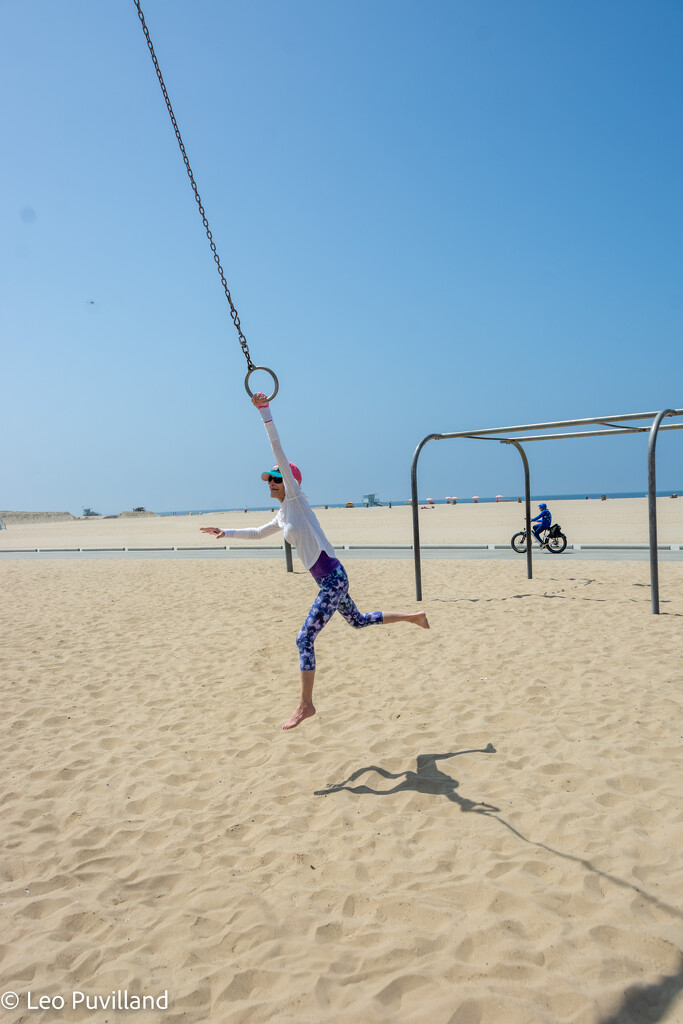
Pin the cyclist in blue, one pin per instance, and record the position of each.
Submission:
(544, 524)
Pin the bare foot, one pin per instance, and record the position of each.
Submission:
(418, 618)
(303, 711)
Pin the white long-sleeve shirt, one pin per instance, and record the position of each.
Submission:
(296, 517)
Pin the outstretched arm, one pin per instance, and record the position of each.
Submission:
(291, 486)
(261, 403)
(255, 533)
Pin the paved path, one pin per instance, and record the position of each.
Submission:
(606, 554)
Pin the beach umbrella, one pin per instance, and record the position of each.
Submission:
(475, 497)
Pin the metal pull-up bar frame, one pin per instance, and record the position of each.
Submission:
(490, 434)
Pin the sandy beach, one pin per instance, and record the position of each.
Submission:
(481, 825)
(615, 521)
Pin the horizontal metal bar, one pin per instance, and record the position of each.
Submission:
(583, 433)
(148, 547)
(202, 547)
(49, 550)
(99, 549)
(551, 425)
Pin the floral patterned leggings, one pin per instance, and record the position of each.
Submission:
(333, 597)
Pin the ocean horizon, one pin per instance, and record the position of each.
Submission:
(582, 496)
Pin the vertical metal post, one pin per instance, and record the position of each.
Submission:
(288, 556)
(652, 506)
(527, 505)
(416, 514)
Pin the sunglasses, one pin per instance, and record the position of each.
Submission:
(274, 479)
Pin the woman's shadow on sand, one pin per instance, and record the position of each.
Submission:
(430, 779)
(427, 779)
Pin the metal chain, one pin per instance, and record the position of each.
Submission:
(233, 311)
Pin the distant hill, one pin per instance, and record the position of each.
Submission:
(37, 517)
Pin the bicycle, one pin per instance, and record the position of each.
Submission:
(554, 540)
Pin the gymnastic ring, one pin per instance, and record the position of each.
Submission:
(275, 381)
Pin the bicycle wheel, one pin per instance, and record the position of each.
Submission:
(557, 544)
(518, 542)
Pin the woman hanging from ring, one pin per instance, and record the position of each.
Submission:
(303, 531)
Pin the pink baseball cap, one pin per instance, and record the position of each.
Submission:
(275, 472)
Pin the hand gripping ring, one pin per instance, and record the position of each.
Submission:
(275, 381)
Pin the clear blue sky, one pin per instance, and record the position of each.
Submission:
(433, 216)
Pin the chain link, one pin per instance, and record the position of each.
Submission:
(233, 311)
